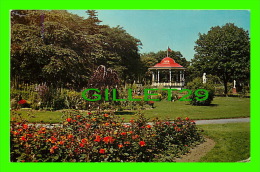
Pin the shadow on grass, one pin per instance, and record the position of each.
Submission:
(211, 105)
(124, 113)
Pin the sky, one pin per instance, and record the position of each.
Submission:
(178, 29)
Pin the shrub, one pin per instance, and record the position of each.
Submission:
(197, 84)
(99, 137)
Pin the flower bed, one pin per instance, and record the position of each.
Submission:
(102, 137)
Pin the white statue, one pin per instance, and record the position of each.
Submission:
(234, 84)
(204, 79)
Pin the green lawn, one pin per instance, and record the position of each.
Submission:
(232, 142)
(222, 107)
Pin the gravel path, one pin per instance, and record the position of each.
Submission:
(222, 121)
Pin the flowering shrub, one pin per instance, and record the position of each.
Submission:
(102, 137)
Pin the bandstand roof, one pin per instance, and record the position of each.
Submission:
(167, 63)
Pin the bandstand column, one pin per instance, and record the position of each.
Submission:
(180, 76)
(158, 76)
(170, 75)
(153, 77)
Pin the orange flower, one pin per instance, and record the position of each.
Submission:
(132, 121)
(135, 137)
(177, 129)
(78, 116)
(120, 146)
(108, 139)
(106, 115)
(15, 133)
(102, 151)
(84, 140)
(61, 142)
(106, 124)
(53, 149)
(70, 136)
(142, 143)
(98, 139)
(127, 143)
(68, 119)
(130, 132)
(149, 126)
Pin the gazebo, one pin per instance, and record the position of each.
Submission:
(168, 73)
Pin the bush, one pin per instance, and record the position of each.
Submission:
(197, 84)
(102, 137)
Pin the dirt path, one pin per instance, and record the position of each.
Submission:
(197, 152)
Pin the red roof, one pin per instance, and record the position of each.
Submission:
(168, 62)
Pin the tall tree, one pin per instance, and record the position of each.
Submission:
(225, 52)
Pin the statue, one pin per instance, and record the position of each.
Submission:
(234, 84)
(204, 79)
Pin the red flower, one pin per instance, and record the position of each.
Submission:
(123, 134)
(70, 136)
(68, 119)
(23, 138)
(142, 143)
(150, 102)
(78, 116)
(178, 118)
(187, 118)
(98, 139)
(167, 123)
(22, 102)
(84, 140)
(25, 126)
(53, 139)
(106, 115)
(108, 139)
(81, 145)
(149, 126)
(132, 121)
(120, 146)
(61, 142)
(102, 151)
(89, 113)
(29, 135)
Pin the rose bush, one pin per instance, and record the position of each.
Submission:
(102, 137)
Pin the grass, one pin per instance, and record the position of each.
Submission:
(222, 107)
(232, 142)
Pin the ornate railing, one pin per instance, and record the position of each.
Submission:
(168, 84)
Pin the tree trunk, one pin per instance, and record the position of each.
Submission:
(226, 88)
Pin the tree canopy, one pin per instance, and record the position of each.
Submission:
(63, 49)
(224, 52)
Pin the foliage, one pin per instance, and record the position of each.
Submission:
(225, 52)
(62, 49)
(101, 137)
(197, 84)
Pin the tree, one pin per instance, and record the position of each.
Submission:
(224, 52)
(63, 49)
